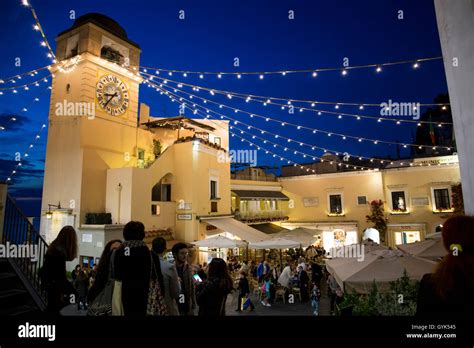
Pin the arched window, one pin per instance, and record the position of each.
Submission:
(111, 54)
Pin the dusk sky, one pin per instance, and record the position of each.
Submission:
(262, 36)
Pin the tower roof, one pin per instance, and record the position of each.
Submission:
(104, 22)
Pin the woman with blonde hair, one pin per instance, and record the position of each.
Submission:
(53, 272)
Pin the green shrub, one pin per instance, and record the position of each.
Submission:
(98, 219)
(399, 300)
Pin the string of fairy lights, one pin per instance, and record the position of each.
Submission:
(282, 158)
(25, 153)
(261, 148)
(265, 100)
(69, 65)
(195, 110)
(37, 27)
(299, 127)
(31, 73)
(26, 86)
(344, 70)
(24, 109)
(194, 107)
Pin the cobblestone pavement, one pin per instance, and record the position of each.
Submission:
(297, 308)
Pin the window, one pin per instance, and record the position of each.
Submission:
(155, 209)
(166, 192)
(213, 207)
(141, 158)
(111, 54)
(335, 204)
(361, 200)
(141, 154)
(217, 140)
(398, 201)
(407, 237)
(213, 189)
(441, 198)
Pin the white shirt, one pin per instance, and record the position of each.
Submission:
(285, 276)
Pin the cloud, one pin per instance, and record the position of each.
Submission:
(28, 170)
(6, 121)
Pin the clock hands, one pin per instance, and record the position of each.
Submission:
(111, 97)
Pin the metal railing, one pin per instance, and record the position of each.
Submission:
(267, 177)
(255, 214)
(262, 216)
(18, 230)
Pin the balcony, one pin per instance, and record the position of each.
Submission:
(262, 216)
(268, 177)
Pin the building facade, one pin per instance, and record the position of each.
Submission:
(119, 162)
(416, 196)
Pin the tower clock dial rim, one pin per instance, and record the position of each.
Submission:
(112, 95)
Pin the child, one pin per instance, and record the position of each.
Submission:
(266, 289)
(315, 296)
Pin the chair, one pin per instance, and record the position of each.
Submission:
(255, 288)
(280, 292)
(296, 291)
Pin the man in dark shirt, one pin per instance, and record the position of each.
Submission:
(186, 301)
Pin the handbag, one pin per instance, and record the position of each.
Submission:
(156, 303)
(245, 303)
(117, 305)
(109, 300)
(102, 304)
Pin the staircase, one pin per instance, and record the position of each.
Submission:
(20, 292)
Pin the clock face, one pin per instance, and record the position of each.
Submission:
(112, 95)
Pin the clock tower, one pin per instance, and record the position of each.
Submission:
(92, 118)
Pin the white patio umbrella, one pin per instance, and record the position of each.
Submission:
(431, 249)
(381, 266)
(304, 236)
(275, 243)
(220, 242)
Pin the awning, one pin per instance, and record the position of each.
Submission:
(255, 195)
(269, 228)
(238, 229)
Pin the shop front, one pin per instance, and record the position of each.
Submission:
(334, 235)
(400, 234)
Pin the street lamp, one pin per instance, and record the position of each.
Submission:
(49, 213)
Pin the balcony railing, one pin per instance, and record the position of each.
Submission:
(254, 178)
(263, 216)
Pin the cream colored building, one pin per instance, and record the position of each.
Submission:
(106, 162)
(107, 154)
(416, 195)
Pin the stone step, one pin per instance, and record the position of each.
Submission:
(12, 298)
(8, 280)
(20, 310)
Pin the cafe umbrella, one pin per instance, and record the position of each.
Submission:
(275, 243)
(220, 242)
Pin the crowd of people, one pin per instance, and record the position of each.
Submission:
(151, 285)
